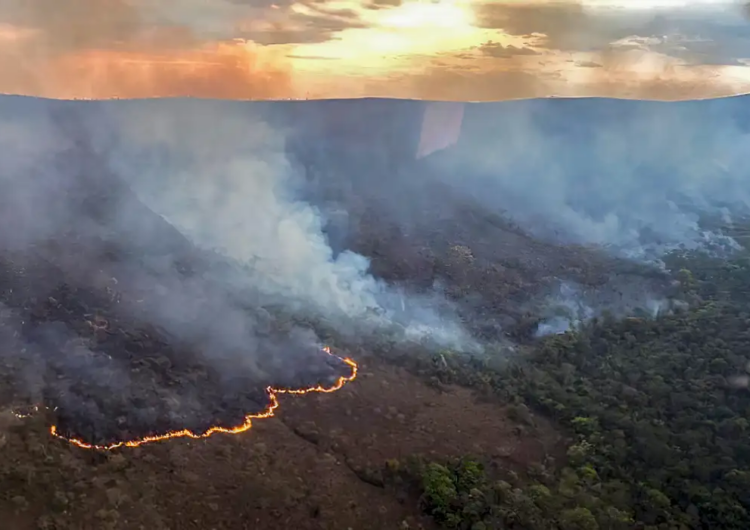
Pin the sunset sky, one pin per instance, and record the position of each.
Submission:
(444, 49)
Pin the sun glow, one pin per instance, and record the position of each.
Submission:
(425, 14)
(396, 36)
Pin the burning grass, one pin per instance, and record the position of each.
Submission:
(244, 426)
(104, 379)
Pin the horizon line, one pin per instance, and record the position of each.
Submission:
(358, 98)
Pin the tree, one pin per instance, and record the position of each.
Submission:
(578, 519)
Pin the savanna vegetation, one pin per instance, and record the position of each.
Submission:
(657, 413)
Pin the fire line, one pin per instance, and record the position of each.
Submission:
(245, 426)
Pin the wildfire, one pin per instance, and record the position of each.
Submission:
(246, 425)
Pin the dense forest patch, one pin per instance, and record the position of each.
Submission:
(657, 412)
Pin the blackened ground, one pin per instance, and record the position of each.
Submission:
(110, 377)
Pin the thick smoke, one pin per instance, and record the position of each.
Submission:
(218, 293)
(637, 178)
(223, 179)
(59, 202)
(164, 250)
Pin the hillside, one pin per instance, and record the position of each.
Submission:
(119, 319)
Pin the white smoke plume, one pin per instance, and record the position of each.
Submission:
(571, 306)
(212, 289)
(222, 179)
(638, 178)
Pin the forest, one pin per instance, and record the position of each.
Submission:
(623, 423)
(655, 411)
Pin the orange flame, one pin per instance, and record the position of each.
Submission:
(245, 426)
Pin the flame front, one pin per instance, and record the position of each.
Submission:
(246, 425)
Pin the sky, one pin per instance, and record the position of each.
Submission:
(471, 50)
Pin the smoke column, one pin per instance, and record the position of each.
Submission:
(230, 188)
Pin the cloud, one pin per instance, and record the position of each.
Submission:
(615, 48)
(383, 4)
(495, 49)
(588, 64)
(630, 76)
(713, 34)
(306, 22)
(83, 24)
(250, 49)
(264, 22)
(310, 57)
(562, 26)
(110, 48)
(701, 51)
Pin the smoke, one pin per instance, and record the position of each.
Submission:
(244, 253)
(231, 189)
(571, 305)
(164, 270)
(89, 271)
(636, 178)
(566, 310)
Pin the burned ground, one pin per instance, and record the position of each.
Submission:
(110, 377)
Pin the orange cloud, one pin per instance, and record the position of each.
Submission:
(108, 49)
(441, 49)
